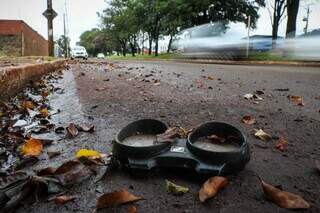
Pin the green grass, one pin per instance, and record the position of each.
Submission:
(268, 56)
(143, 57)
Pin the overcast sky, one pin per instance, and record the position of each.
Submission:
(82, 16)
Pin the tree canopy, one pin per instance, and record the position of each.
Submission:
(127, 22)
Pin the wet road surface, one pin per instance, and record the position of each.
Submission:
(111, 96)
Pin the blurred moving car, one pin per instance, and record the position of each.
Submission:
(100, 56)
(79, 52)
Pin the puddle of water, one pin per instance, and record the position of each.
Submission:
(140, 140)
(205, 144)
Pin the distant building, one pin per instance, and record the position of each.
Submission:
(19, 39)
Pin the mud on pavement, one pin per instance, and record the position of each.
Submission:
(110, 95)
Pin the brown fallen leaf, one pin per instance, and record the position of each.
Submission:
(46, 171)
(132, 209)
(172, 133)
(284, 199)
(116, 198)
(32, 147)
(210, 78)
(262, 135)
(72, 172)
(72, 130)
(247, 119)
(216, 139)
(282, 144)
(27, 105)
(45, 93)
(85, 127)
(52, 154)
(64, 199)
(211, 187)
(297, 99)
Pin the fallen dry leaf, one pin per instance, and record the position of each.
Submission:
(72, 172)
(172, 133)
(247, 119)
(85, 127)
(282, 144)
(89, 154)
(44, 112)
(210, 78)
(216, 139)
(284, 199)
(28, 105)
(262, 135)
(64, 199)
(175, 189)
(45, 94)
(211, 187)
(248, 96)
(132, 209)
(32, 147)
(46, 171)
(72, 130)
(297, 99)
(116, 198)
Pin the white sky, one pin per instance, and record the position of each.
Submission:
(82, 16)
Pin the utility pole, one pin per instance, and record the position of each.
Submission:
(50, 14)
(248, 34)
(306, 19)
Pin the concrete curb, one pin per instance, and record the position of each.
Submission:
(252, 63)
(14, 79)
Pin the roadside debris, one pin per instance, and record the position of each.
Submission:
(282, 144)
(32, 147)
(297, 99)
(216, 139)
(63, 199)
(72, 130)
(262, 135)
(171, 134)
(247, 119)
(283, 199)
(211, 187)
(175, 189)
(116, 198)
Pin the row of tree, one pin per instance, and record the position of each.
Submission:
(127, 24)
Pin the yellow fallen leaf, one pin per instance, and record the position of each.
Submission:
(44, 112)
(1, 114)
(88, 154)
(32, 147)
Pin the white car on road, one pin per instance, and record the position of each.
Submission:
(79, 52)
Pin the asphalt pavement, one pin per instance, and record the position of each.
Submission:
(111, 94)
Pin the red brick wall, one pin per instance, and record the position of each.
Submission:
(31, 42)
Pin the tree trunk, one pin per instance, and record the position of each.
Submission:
(157, 46)
(169, 45)
(132, 46)
(292, 12)
(150, 45)
(124, 50)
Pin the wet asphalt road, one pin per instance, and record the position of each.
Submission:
(111, 96)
